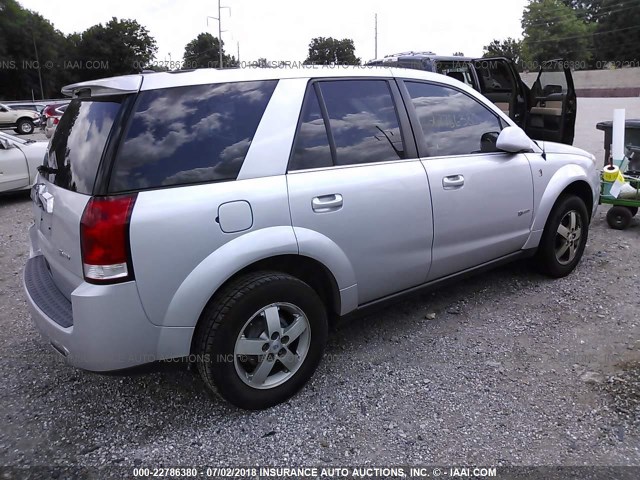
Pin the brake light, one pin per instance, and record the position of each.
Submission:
(56, 120)
(104, 239)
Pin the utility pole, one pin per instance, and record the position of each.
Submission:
(238, 53)
(219, 19)
(376, 35)
(38, 64)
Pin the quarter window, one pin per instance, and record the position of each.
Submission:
(452, 122)
(190, 134)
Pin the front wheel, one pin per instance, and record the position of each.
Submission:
(260, 339)
(25, 127)
(564, 237)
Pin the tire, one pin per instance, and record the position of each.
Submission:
(234, 331)
(25, 126)
(553, 258)
(619, 217)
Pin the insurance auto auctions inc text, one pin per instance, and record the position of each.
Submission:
(375, 472)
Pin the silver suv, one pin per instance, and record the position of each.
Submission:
(230, 216)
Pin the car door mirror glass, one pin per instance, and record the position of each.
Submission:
(513, 140)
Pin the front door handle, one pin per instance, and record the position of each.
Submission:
(327, 203)
(452, 182)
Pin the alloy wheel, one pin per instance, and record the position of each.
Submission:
(272, 345)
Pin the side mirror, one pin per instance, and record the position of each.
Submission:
(513, 140)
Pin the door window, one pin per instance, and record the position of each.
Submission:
(494, 76)
(363, 121)
(363, 126)
(452, 122)
(311, 148)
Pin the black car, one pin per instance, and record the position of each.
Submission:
(546, 111)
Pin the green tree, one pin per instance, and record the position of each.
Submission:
(554, 30)
(117, 48)
(204, 52)
(588, 10)
(331, 51)
(22, 34)
(509, 48)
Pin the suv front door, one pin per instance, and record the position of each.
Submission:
(499, 81)
(355, 181)
(553, 114)
(482, 198)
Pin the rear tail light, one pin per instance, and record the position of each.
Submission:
(56, 121)
(104, 238)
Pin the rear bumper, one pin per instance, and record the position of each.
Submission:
(108, 330)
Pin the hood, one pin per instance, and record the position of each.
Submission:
(26, 113)
(561, 148)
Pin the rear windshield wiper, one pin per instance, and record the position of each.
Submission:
(46, 170)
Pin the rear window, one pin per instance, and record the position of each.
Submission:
(187, 135)
(79, 141)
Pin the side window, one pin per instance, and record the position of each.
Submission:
(311, 148)
(190, 134)
(495, 76)
(460, 70)
(363, 121)
(452, 122)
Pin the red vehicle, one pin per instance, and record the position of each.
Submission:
(53, 111)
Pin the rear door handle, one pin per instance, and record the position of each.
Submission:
(327, 203)
(452, 182)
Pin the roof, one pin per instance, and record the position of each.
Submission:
(152, 81)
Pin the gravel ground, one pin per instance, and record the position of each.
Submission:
(507, 368)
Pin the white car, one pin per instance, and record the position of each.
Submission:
(19, 161)
(22, 121)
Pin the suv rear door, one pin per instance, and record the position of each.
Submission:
(553, 114)
(499, 81)
(355, 180)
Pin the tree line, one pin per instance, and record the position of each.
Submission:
(589, 34)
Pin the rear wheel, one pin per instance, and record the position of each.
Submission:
(619, 217)
(261, 339)
(25, 126)
(564, 237)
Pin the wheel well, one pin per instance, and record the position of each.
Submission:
(582, 190)
(24, 118)
(310, 271)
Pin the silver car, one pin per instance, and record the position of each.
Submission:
(229, 216)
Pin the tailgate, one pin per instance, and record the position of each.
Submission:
(57, 214)
(66, 183)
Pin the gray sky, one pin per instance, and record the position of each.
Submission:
(282, 29)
